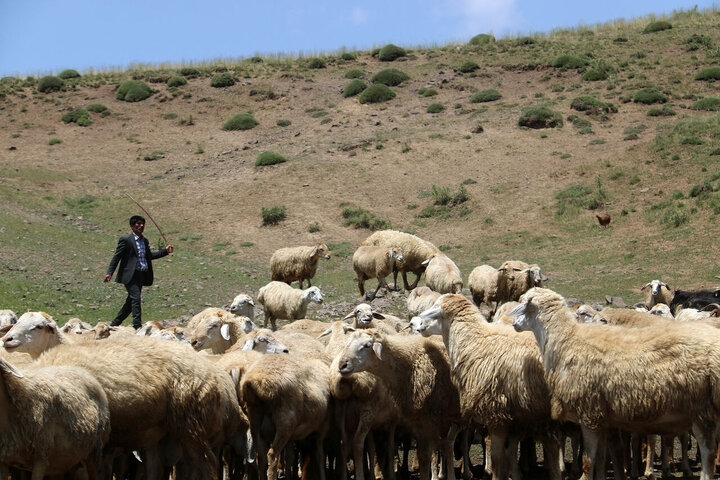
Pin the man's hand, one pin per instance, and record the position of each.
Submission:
(107, 278)
(169, 248)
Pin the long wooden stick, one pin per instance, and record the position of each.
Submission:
(150, 216)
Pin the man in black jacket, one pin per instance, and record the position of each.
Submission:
(135, 259)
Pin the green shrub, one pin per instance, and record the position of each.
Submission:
(594, 75)
(354, 88)
(348, 56)
(255, 59)
(79, 116)
(68, 74)
(54, 141)
(133, 91)
(189, 72)
(469, 66)
(665, 111)
(569, 61)
(391, 52)
(358, 217)
(221, 80)
(698, 40)
(354, 73)
(242, 121)
(482, 39)
(657, 26)
(435, 108)
(540, 116)
(176, 81)
(96, 108)
(442, 196)
(50, 83)
(708, 74)
(269, 158)
(575, 197)
(711, 104)
(649, 96)
(376, 93)
(592, 105)
(489, 95)
(522, 41)
(674, 217)
(691, 140)
(390, 77)
(273, 215)
(427, 92)
(283, 123)
(316, 62)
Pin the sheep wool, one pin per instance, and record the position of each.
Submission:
(280, 300)
(297, 263)
(443, 275)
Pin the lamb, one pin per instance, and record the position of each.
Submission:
(655, 379)
(416, 372)
(218, 333)
(375, 262)
(262, 341)
(442, 275)
(280, 300)
(285, 341)
(287, 398)
(54, 418)
(500, 378)
(658, 292)
(364, 317)
(243, 305)
(154, 388)
(75, 326)
(415, 252)
(297, 263)
(420, 299)
(7, 317)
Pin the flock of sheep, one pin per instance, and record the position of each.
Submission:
(226, 399)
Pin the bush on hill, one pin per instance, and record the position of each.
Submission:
(269, 158)
(133, 91)
(189, 72)
(242, 121)
(592, 105)
(540, 116)
(391, 52)
(708, 74)
(569, 61)
(96, 108)
(348, 56)
(435, 108)
(390, 76)
(354, 73)
(50, 83)
(489, 95)
(376, 93)
(68, 74)
(469, 67)
(79, 116)
(594, 75)
(354, 88)
(176, 81)
(316, 62)
(273, 215)
(649, 96)
(657, 26)
(222, 80)
(481, 39)
(710, 104)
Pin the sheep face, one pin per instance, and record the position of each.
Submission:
(241, 303)
(314, 294)
(263, 341)
(363, 315)
(655, 287)
(661, 310)
(528, 316)
(397, 256)
(248, 325)
(322, 250)
(210, 334)
(536, 275)
(34, 328)
(360, 350)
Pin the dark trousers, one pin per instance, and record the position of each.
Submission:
(133, 302)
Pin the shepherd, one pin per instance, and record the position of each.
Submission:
(135, 258)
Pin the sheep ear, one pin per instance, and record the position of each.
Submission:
(647, 285)
(249, 344)
(235, 375)
(314, 252)
(377, 348)
(425, 263)
(8, 368)
(348, 316)
(348, 328)
(225, 331)
(378, 315)
(326, 332)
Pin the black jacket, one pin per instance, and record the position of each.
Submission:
(127, 255)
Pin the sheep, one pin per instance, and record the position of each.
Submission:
(483, 283)
(700, 299)
(520, 278)
(262, 340)
(655, 379)
(658, 292)
(218, 332)
(420, 299)
(442, 275)
(364, 317)
(7, 317)
(75, 326)
(297, 263)
(500, 378)
(285, 341)
(153, 387)
(309, 327)
(416, 372)
(243, 305)
(54, 418)
(149, 328)
(415, 252)
(375, 262)
(280, 300)
(287, 398)
(34, 333)
(501, 315)
(175, 334)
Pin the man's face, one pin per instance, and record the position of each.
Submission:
(138, 228)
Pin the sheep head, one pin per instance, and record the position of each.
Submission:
(33, 333)
(263, 341)
(360, 351)
(321, 250)
(312, 294)
(241, 304)
(535, 306)
(210, 334)
(396, 255)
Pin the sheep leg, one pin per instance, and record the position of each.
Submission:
(617, 455)
(319, 457)
(497, 454)
(38, 470)
(358, 444)
(666, 449)
(685, 464)
(464, 442)
(361, 285)
(594, 450)
(707, 445)
(424, 456)
(552, 449)
(448, 445)
(405, 281)
(511, 455)
(388, 463)
(487, 446)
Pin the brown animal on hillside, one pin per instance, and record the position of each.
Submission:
(603, 221)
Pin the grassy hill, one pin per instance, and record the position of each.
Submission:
(638, 140)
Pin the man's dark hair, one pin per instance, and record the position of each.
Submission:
(136, 218)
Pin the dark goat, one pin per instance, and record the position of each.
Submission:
(698, 299)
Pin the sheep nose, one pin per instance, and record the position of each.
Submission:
(343, 367)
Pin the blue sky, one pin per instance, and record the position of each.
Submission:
(39, 37)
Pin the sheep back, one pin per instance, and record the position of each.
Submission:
(296, 263)
(443, 275)
(483, 284)
(415, 249)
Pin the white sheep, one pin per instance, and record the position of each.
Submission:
(416, 372)
(297, 263)
(483, 283)
(7, 317)
(500, 378)
(280, 300)
(309, 327)
(262, 340)
(415, 252)
(375, 262)
(76, 326)
(218, 332)
(443, 275)
(243, 306)
(420, 299)
(54, 419)
(664, 378)
(658, 292)
(149, 328)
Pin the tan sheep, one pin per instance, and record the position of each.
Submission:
(243, 306)
(442, 275)
(483, 283)
(218, 332)
(297, 263)
(375, 262)
(309, 327)
(655, 379)
(363, 316)
(7, 317)
(500, 378)
(657, 292)
(519, 278)
(420, 299)
(280, 300)
(76, 326)
(415, 252)
(416, 372)
(54, 418)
